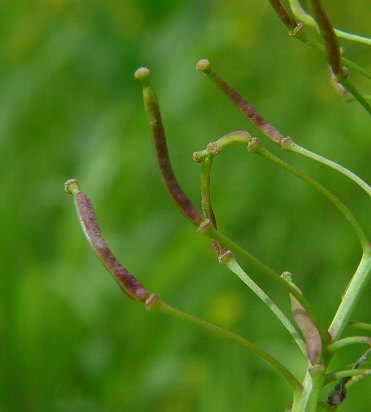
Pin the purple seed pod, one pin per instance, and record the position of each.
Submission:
(241, 103)
(89, 223)
(154, 117)
(332, 48)
(309, 330)
(283, 15)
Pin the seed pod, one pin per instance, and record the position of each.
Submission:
(309, 330)
(89, 223)
(283, 15)
(240, 102)
(158, 132)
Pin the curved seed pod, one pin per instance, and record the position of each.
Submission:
(332, 48)
(154, 117)
(240, 102)
(308, 328)
(283, 15)
(89, 223)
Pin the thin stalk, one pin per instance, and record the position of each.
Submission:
(234, 267)
(307, 19)
(267, 271)
(341, 343)
(256, 147)
(205, 189)
(356, 94)
(335, 376)
(289, 145)
(360, 325)
(213, 148)
(163, 307)
(353, 37)
(230, 262)
(301, 14)
(351, 296)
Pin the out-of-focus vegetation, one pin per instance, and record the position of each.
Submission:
(70, 107)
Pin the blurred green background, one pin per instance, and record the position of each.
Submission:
(70, 107)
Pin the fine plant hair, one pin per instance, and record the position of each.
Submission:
(317, 342)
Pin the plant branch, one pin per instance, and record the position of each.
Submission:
(289, 145)
(270, 131)
(134, 290)
(341, 343)
(225, 258)
(334, 376)
(352, 295)
(256, 147)
(267, 271)
(360, 325)
(308, 20)
(156, 304)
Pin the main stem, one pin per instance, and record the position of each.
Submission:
(352, 295)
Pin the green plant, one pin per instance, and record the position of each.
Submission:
(317, 343)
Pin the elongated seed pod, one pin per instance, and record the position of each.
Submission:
(283, 15)
(309, 330)
(241, 103)
(162, 153)
(89, 223)
(332, 48)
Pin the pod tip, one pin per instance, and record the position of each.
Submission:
(142, 73)
(203, 65)
(71, 186)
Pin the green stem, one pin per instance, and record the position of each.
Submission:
(267, 271)
(335, 376)
(352, 295)
(302, 399)
(353, 37)
(157, 304)
(255, 146)
(341, 343)
(307, 19)
(231, 262)
(293, 147)
(358, 96)
(234, 267)
(317, 373)
(360, 325)
(205, 189)
(301, 14)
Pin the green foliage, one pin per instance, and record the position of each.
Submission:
(70, 107)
